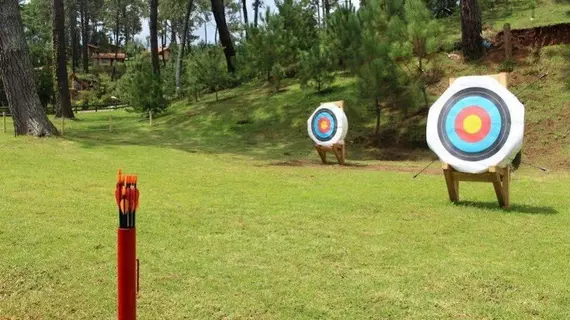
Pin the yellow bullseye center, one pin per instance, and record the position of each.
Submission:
(472, 124)
(324, 125)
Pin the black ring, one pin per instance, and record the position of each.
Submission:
(503, 134)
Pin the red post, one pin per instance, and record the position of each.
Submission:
(126, 274)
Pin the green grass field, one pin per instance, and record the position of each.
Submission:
(227, 235)
(238, 219)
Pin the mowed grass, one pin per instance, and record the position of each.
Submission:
(222, 236)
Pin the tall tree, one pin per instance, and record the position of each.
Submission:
(423, 31)
(219, 12)
(256, 5)
(471, 41)
(245, 20)
(17, 77)
(378, 77)
(62, 98)
(118, 11)
(73, 35)
(182, 44)
(84, 34)
(153, 29)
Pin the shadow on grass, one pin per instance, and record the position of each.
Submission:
(515, 208)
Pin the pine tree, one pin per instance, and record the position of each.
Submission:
(343, 35)
(317, 66)
(141, 88)
(207, 68)
(422, 39)
(379, 77)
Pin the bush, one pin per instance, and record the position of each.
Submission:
(317, 66)
(141, 88)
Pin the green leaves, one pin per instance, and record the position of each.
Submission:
(140, 88)
(317, 66)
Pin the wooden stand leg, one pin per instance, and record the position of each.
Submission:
(452, 184)
(339, 153)
(499, 189)
(322, 154)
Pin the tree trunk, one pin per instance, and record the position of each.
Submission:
(163, 42)
(62, 99)
(378, 114)
(153, 26)
(205, 32)
(173, 40)
(84, 36)
(74, 40)
(255, 12)
(471, 41)
(318, 2)
(327, 9)
(218, 10)
(17, 76)
(117, 30)
(182, 44)
(245, 20)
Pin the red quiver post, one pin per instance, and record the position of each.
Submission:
(127, 274)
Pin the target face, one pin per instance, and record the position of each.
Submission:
(476, 124)
(327, 125)
(324, 125)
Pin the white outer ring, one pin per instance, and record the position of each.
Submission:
(341, 120)
(513, 144)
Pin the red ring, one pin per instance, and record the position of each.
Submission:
(485, 124)
(324, 119)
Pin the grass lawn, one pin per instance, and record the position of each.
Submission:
(226, 235)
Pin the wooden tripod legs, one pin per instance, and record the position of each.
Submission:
(500, 177)
(338, 149)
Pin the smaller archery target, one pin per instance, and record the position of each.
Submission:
(477, 123)
(327, 125)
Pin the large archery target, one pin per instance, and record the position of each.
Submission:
(476, 124)
(327, 125)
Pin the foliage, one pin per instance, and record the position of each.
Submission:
(266, 45)
(207, 66)
(422, 39)
(379, 77)
(442, 8)
(317, 66)
(343, 35)
(44, 85)
(140, 88)
(37, 30)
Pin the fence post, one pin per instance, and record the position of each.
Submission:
(4, 120)
(62, 125)
(110, 124)
(150, 117)
(508, 42)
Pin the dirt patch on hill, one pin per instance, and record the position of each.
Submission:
(546, 141)
(524, 41)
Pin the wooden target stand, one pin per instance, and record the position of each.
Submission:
(338, 149)
(499, 177)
